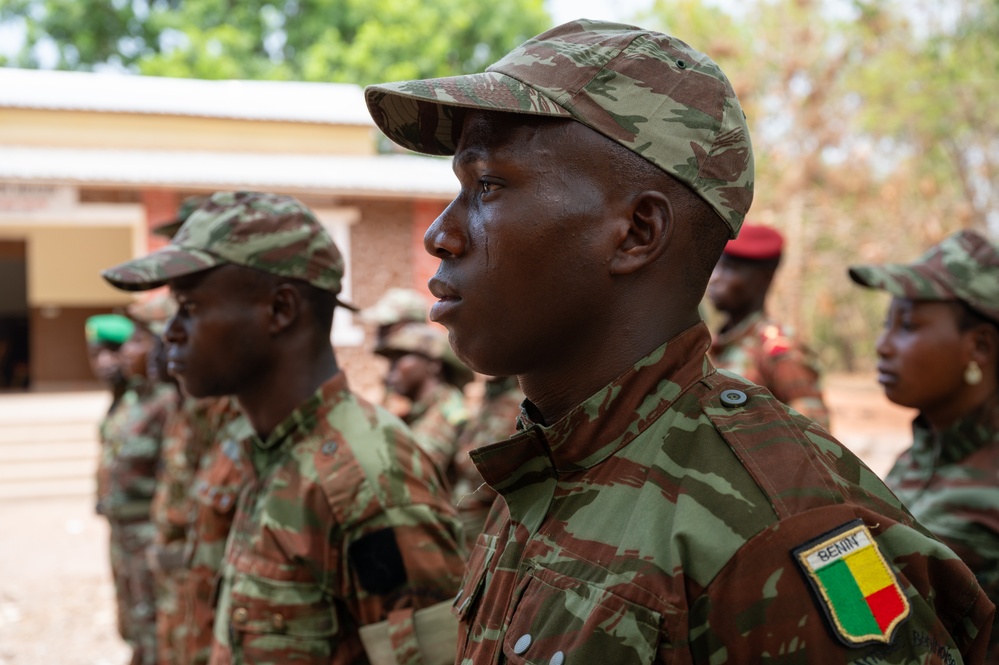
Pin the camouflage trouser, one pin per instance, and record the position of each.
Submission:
(134, 587)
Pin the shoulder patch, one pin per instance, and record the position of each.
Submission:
(854, 585)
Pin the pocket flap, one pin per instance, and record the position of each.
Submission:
(580, 624)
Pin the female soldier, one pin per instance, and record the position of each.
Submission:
(938, 354)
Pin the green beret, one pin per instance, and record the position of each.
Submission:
(108, 329)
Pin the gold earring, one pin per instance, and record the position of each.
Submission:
(972, 374)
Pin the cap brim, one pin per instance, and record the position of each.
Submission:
(904, 281)
(347, 305)
(168, 229)
(156, 269)
(426, 116)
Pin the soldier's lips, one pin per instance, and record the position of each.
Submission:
(448, 299)
(886, 378)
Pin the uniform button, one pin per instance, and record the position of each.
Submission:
(733, 398)
(329, 447)
(522, 644)
(557, 659)
(240, 615)
(278, 621)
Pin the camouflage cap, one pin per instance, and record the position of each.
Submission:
(964, 266)
(108, 329)
(187, 206)
(649, 92)
(154, 310)
(420, 338)
(397, 305)
(428, 341)
(269, 232)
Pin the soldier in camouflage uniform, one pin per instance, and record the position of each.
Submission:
(652, 509)
(938, 354)
(751, 343)
(105, 333)
(396, 308)
(495, 420)
(341, 523)
(419, 371)
(215, 489)
(135, 435)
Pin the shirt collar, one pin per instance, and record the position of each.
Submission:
(303, 418)
(611, 418)
(974, 431)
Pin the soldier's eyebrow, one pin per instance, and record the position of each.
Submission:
(468, 158)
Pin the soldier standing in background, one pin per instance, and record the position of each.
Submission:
(396, 308)
(131, 457)
(105, 333)
(939, 353)
(495, 421)
(751, 343)
(653, 509)
(341, 524)
(222, 472)
(419, 372)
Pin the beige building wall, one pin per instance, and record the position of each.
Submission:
(83, 129)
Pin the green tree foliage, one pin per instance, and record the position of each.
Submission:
(875, 136)
(356, 41)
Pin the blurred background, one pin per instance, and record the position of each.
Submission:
(874, 128)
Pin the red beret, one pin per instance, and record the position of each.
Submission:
(756, 242)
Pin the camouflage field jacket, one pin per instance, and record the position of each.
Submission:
(681, 515)
(766, 353)
(342, 522)
(950, 483)
(213, 493)
(131, 453)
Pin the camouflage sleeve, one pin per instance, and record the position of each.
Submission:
(767, 608)
(405, 558)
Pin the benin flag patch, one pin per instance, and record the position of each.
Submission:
(855, 587)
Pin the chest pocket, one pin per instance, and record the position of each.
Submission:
(273, 620)
(568, 622)
(218, 486)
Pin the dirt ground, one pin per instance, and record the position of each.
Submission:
(56, 598)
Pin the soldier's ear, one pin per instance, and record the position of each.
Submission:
(286, 307)
(644, 233)
(985, 338)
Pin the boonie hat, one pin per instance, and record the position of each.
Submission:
(269, 232)
(756, 242)
(964, 266)
(649, 92)
(397, 305)
(187, 206)
(108, 329)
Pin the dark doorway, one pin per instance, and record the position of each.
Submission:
(14, 333)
